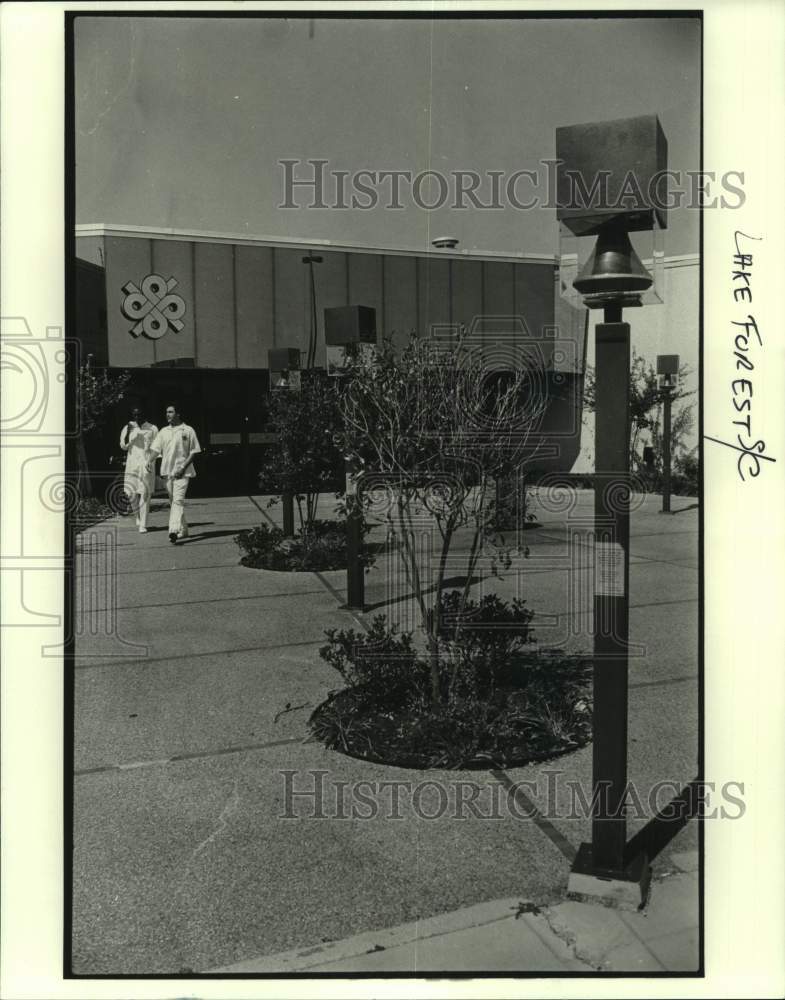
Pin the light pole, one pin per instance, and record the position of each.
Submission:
(355, 569)
(346, 330)
(311, 259)
(284, 366)
(605, 854)
(612, 278)
(667, 376)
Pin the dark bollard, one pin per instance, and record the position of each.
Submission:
(355, 571)
(287, 500)
(666, 453)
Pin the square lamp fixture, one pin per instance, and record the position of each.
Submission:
(349, 325)
(667, 371)
(349, 331)
(611, 188)
(284, 365)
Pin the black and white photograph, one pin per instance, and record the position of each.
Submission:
(389, 431)
(390, 381)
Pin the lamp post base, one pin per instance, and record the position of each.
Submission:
(626, 890)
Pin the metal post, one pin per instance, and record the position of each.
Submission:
(355, 571)
(604, 858)
(287, 499)
(611, 605)
(666, 451)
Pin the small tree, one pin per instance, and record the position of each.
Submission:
(646, 398)
(681, 425)
(434, 430)
(98, 392)
(307, 461)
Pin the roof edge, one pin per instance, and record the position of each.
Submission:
(283, 242)
(102, 229)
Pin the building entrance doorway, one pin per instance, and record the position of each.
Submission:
(226, 407)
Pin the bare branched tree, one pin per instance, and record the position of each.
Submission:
(433, 429)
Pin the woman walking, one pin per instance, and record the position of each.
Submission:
(135, 439)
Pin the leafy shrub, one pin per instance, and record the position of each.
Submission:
(504, 703)
(481, 639)
(261, 546)
(382, 661)
(90, 511)
(684, 480)
(305, 461)
(321, 547)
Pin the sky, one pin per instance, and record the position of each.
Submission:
(182, 122)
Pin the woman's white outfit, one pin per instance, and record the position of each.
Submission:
(138, 484)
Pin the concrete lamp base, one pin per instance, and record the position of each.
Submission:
(626, 890)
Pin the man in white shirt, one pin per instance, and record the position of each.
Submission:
(176, 444)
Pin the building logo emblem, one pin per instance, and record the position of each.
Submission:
(154, 309)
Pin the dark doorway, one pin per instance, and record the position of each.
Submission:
(226, 407)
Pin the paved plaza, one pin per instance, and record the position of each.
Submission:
(194, 680)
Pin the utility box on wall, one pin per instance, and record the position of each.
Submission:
(284, 366)
(345, 325)
(348, 330)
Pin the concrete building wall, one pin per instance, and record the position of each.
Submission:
(173, 258)
(242, 299)
(254, 277)
(669, 328)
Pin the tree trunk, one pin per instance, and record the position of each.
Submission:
(409, 555)
(84, 484)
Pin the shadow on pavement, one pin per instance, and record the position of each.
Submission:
(206, 534)
(454, 581)
(662, 828)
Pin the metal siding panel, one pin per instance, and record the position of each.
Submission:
(214, 309)
(466, 291)
(400, 297)
(498, 299)
(172, 259)
(90, 311)
(293, 297)
(126, 260)
(90, 248)
(534, 296)
(291, 300)
(365, 284)
(254, 286)
(331, 290)
(433, 306)
(569, 345)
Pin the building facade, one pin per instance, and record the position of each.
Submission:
(192, 316)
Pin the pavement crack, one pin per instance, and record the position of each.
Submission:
(229, 808)
(290, 708)
(570, 940)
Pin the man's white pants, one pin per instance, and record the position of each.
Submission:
(177, 488)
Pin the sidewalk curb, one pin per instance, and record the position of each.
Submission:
(468, 918)
(581, 937)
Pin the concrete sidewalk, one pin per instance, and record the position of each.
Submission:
(511, 935)
(194, 680)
